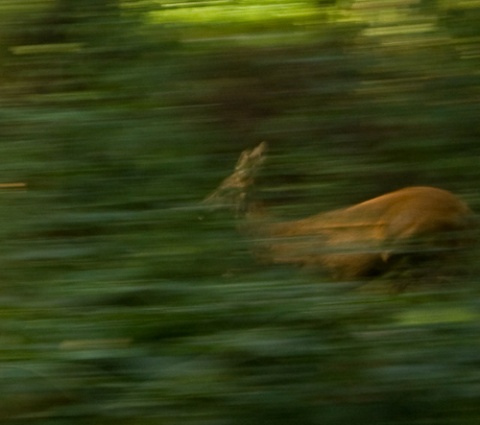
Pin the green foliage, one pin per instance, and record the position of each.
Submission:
(124, 300)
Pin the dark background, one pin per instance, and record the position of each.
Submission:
(123, 302)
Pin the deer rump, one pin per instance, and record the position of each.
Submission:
(366, 238)
(357, 241)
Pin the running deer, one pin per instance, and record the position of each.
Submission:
(352, 242)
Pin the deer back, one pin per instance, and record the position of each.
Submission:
(357, 240)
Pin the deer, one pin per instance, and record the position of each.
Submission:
(348, 243)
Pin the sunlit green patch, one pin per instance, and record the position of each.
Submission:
(428, 316)
(227, 13)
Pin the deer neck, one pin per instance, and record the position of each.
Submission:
(254, 219)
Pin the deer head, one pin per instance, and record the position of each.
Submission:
(234, 191)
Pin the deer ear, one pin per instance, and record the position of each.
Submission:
(249, 154)
(243, 159)
(259, 150)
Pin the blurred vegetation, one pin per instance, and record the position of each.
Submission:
(123, 302)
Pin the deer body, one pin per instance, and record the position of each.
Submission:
(349, 242)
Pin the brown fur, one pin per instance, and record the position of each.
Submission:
(349, 242)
